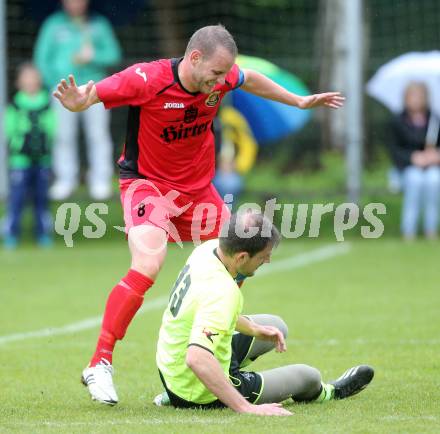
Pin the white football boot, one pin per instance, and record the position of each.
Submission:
(162, 400)
(99, 381)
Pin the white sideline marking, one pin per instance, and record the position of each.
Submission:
(86, 324)
(291, 263)
(304, 259)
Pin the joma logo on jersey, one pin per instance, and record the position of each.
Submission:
(171, 134)
(174, 105)
(141, 74)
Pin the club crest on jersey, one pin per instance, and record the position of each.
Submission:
(213, 98)
(190, 114)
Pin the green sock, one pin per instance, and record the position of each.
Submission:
(327, 393)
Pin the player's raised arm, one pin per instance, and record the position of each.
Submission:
(260, 85)
(74, 98)
(206, 367)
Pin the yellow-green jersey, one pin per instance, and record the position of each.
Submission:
(203, 309)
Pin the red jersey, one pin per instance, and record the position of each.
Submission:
(169, 130)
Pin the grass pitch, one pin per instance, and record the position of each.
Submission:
(374, 302)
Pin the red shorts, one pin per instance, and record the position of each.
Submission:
(185, 217)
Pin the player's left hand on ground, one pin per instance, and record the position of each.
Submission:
(329, 99)
(270, 333)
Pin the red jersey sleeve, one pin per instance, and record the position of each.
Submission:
(131, 86)
(234, 78)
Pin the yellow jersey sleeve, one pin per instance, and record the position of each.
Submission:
(217, 312)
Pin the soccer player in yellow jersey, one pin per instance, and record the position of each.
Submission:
(204, 341)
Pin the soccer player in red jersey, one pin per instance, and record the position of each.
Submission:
(167, 165)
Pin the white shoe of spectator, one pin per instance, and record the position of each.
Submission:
(100, 191)
(61, 190)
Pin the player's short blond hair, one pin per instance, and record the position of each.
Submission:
(208, 38)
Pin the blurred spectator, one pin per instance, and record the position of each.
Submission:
(30, 125)
(227, 180)
(415, 152)
(394, 180)
(73, 41)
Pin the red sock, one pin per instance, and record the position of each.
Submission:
(122, 304)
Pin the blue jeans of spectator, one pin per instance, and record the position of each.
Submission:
(228, 183)
(25, 185)
(421, 193)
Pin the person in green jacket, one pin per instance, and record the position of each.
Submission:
(30, 125)
(76, 41)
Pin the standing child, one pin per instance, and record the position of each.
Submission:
(30, 126)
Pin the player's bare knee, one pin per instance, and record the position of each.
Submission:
(147, 241)
(148, 250)
(149, 266)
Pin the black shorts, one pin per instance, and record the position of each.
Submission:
(247, 383)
